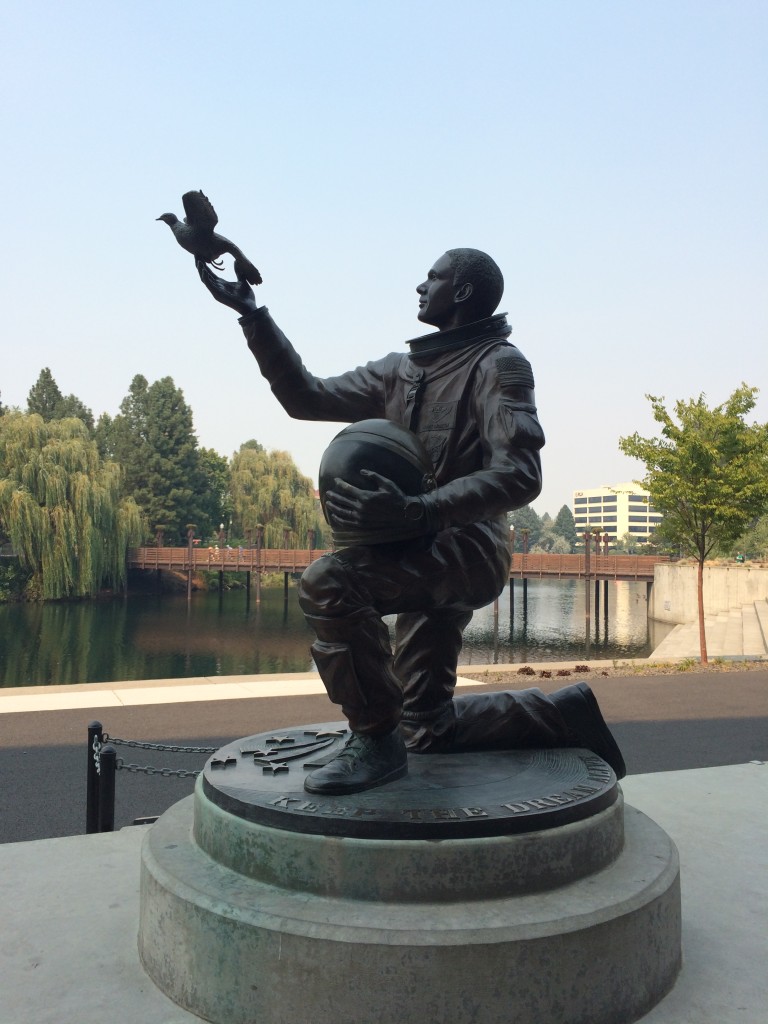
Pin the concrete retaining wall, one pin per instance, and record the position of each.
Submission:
(673, 595)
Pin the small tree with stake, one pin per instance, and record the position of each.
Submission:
(707, 474)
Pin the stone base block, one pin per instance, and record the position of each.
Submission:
(234, 949)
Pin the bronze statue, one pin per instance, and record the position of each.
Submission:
(468, 394)
(195, 234)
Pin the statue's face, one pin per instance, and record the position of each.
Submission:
(437, 295)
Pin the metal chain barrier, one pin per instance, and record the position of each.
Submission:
(148, 769)
(173, 748)
(103, 764)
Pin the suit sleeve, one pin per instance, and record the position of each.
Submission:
(356, 395)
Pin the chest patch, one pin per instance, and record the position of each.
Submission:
(438, 416)
(435, 445)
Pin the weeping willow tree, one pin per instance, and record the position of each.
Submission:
(268, 490)
(61, 507)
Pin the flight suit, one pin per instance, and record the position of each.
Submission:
(468, 393)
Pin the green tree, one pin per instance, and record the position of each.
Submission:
(268, 490)
(215, 496)
(564, 526)
(153, 439)
(46, 399)
(62, 507)
(707, 474)
(551, 543)
(71, 406)
(753, 543)
(44, 396)
(525, 518)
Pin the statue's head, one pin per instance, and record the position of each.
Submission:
(168, 218)
(464, 285)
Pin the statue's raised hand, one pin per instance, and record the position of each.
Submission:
(238, 295)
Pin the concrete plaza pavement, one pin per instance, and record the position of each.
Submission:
(70, 904)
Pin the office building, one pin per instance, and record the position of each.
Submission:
(617, 510)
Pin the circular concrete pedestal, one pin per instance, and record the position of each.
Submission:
(575, 924)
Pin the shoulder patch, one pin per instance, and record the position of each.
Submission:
(514, 372)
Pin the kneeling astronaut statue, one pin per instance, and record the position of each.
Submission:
(444, 441)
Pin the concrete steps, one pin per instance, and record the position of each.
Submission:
(738, 633)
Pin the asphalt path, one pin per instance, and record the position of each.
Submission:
(662, 723)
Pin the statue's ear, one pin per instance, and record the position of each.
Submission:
(464, 292)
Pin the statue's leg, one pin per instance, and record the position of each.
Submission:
(427, 646)
(508, 719)
(354, 659)
(513, 720)
(426, 657)
(352, 650)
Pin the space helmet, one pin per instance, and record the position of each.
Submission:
(391, 451)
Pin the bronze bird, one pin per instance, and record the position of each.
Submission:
(195, 234)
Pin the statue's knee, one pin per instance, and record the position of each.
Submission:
(323, 586)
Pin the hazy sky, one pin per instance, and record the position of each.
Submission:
(611, 156)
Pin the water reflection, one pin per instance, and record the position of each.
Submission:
(546, 621)
(161, 637)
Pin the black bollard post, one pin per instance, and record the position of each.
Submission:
(92, 778)
(108, 765)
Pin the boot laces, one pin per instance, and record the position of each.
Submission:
(353, 748)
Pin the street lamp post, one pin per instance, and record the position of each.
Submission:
(190, 554)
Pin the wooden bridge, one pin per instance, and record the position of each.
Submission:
(296, 560)
(223, 559)
(581, 567)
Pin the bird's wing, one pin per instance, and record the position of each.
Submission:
(199, 210)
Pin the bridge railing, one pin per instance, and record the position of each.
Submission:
(623, 567)
(295, 560)
(224, 559)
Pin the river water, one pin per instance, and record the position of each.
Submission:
(161, 637)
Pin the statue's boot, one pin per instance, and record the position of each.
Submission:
(364, 762)
(586, 725)
(354, 659)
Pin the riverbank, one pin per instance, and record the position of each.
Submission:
(524, 675)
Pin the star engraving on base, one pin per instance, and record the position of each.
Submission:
(276, 767)
(223, 762)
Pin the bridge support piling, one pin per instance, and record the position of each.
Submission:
(587, 595)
